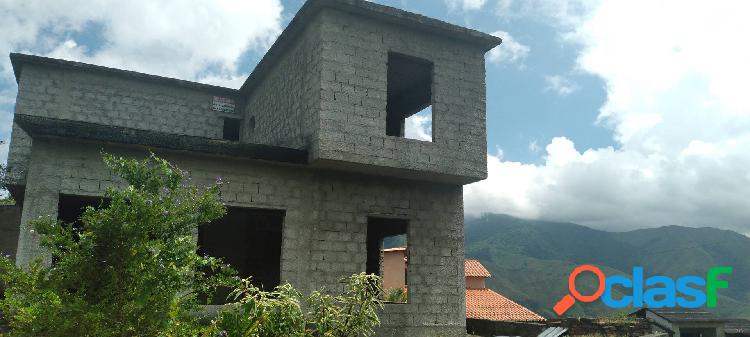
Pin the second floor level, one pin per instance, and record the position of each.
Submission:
(339, 83)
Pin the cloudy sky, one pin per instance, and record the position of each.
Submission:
(616, 114)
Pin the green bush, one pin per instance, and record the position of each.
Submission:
(397, 295)
(5, 198)
(279, 313)
(3, 176)
(131, 270)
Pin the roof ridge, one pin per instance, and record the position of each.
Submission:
(480, 301)
(475, 268)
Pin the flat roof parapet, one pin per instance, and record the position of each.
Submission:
(18, 61)
(368, 9)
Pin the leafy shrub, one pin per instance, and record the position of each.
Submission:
(132, 270)
(352, 313)
(261, 313)
(3, 176)
(396, 295)
(279, 313)
(5, 198)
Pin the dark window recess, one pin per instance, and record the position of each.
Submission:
(231, 129)
(409, 90)
(249, 240)
(387, 252)
(70, 208)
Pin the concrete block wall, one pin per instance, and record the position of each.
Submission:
(19, 154)
(282, 109)
(353, 104)
(110, 99)
(325, 226)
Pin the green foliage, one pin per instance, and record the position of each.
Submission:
(355, 309)
(396, 295)
(132, 270)
(279, 313)
(7, 199)
(3, 176)
(617, 318)
(260, 313)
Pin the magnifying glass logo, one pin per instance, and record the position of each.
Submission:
(568, 300)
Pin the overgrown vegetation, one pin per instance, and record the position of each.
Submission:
(132, 270)
(5, 198)
(3, 176)
(617, 318)
(396, 295)
(279, 313)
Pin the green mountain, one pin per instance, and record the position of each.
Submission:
(530, 260)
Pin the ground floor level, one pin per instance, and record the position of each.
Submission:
(287, 223)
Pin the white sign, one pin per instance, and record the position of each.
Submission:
(223, 104)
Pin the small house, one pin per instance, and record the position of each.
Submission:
(485, 304)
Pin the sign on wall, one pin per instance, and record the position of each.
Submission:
(223, 104)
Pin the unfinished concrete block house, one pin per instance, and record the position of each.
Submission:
(312, 146)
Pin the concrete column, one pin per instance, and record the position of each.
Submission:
(40, 200)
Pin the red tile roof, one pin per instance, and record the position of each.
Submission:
(489, 305)
(472, 268)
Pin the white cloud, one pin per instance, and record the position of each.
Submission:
(192, 39)
(560, 85)
(227, 80)
(506, 190)
(677, 102)
(419, 126)
(185, 39)
(559, 13)
(616, 189)
(510, 51)
(6, 118)
(534, 146)
(465, 5)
